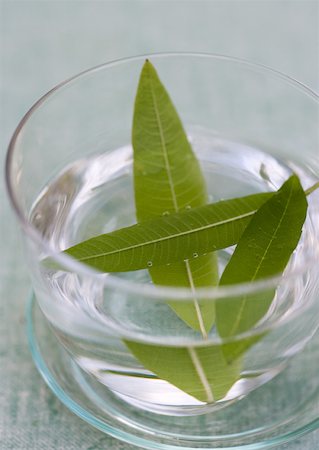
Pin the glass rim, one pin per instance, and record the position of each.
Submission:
(113, 281)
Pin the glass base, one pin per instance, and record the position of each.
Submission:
(278, 412)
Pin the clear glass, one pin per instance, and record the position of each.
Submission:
(69, 175)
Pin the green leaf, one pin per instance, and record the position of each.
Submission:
(171, 238)
(201, 372)
(263, 250)
(168, 179)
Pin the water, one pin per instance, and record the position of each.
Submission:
(95, 196)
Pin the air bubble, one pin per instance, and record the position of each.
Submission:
(195, 255)
(149, 263)
(165, 213)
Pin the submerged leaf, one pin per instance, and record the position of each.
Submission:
(263, 251)
(201, 372)
(168, 179)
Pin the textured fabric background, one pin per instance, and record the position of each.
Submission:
(44, 42)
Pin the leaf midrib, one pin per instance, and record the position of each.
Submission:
(161, 133)
(201, 373)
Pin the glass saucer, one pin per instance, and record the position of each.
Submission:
(278, 412)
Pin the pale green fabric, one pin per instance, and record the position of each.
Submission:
(43, 42)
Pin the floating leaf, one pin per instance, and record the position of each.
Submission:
(263, 250)
(171, 238)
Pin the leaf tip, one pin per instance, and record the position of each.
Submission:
(148, 67)
(147, 64)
